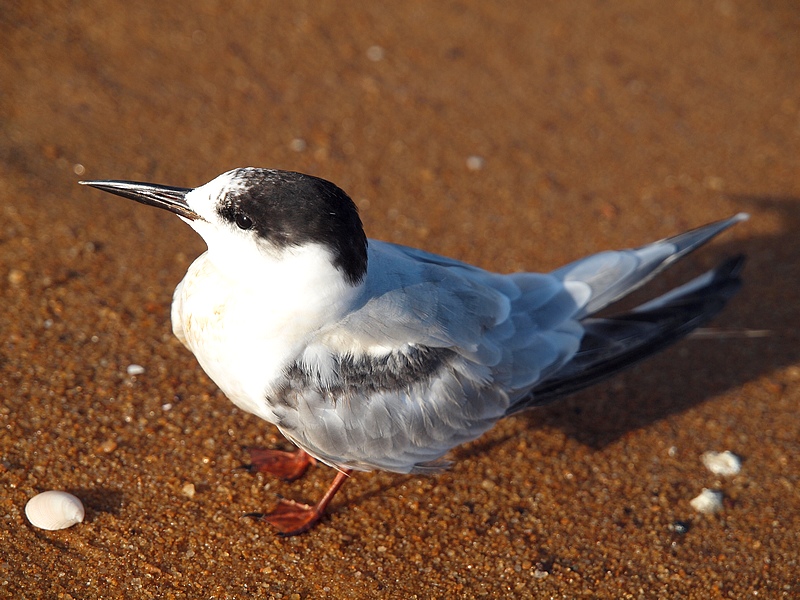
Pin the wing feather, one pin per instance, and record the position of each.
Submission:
(488, 345)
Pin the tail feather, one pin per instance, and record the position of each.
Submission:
(600, 280)
(614, 343)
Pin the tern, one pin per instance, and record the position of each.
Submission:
(370, 355)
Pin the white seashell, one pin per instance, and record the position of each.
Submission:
(722, 463)
(708, 502)
(134, 370)
(54, 510)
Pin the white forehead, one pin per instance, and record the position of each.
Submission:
(204, 199)
(219, 186)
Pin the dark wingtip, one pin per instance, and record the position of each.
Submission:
(617, 342)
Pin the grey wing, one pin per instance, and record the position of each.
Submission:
(509, 329)
(402, 430)
(441, 350)
(433, 359)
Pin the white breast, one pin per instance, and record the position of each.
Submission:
(245, 331)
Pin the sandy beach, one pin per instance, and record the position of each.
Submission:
(515, 136)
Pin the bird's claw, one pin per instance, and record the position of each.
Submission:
(290, 517)
(285, 465)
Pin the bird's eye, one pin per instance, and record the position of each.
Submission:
(243, 221)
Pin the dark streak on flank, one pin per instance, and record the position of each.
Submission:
(364, 376)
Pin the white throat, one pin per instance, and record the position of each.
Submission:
(290, 290)
(246, 321)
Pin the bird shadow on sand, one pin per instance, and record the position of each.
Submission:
(755, 335)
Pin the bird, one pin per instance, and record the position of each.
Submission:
(369, 355)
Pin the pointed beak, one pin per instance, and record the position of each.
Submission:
(167, 197)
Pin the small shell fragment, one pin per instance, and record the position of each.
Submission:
(134, 370)
(188, 490)
(54, 510)
(708, 502)
(722, 463)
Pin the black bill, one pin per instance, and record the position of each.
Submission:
(167, 197)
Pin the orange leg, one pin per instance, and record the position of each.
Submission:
(286, 465)
(291, 518)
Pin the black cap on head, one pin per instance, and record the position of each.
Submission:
(290, 209)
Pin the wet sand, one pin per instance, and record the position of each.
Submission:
(515, 138)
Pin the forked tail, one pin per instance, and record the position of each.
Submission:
(611, 344)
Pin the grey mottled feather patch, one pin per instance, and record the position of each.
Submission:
(365, 375)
